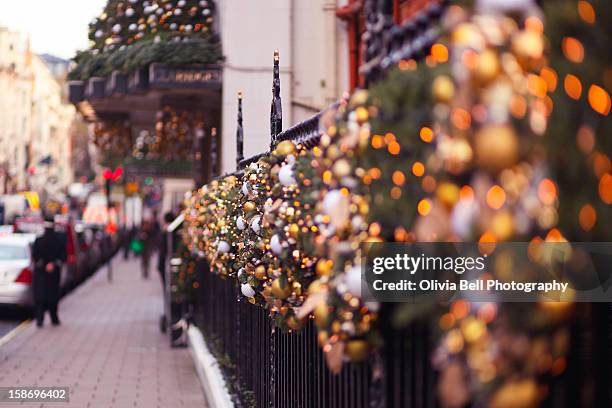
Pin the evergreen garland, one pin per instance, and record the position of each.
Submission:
(131, 34)
(578, 138)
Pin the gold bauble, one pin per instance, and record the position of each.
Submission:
(496, 147)
(322, 337)
(528, 45)
(284, 148)
(362, 114)
(297, 288)
(468, 35)
(260, 272)
(488, 66)
(443, 88)
(360, 97)
(336, 327)
(341, 168)
(333, 152)
(324, 267)
(279, 290)
(502, 225)
(516, 394)
(364, 207)
(294, 323)
(294, 229)
(321, 315)
(447, 193)
(356, 350)
(249, 206)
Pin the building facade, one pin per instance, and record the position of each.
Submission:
(36, 122)
(313, 65)
(16, 82)
(50, 166)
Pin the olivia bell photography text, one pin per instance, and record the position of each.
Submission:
(509, 272)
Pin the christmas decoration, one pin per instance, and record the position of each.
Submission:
(476, 143)
(170, 142)
(576, 139)
(491, 126)
(184, 283)
(132, 34)
(114, 138)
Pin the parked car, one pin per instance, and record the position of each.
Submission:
(15, 270)
(90, 253)
(73, 274)
(13, 206)
(33, 224)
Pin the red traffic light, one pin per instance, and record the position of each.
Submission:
(117, 173)
(107, 174)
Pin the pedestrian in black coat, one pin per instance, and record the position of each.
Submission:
(48, 254)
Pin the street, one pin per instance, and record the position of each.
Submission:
(108, 351)
(10, 318)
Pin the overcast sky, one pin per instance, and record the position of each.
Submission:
(57, 27)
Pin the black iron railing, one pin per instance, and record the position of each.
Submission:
(387, 43)
(266, 367)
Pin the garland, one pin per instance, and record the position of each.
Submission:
(184, 284)
(172, 139)
(113, 137)
(493, 185)
(170, 50)
(454, 148)
(124, 22)
(131, 34)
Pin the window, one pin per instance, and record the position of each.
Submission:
(405, 9)
(353, 15)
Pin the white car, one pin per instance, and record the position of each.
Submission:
(15, 269)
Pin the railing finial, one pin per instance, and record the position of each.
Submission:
(239, 134)
(276, 114)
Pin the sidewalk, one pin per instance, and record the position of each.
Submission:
(108, 350)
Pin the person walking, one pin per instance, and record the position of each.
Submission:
(48, 254)
(127, 245)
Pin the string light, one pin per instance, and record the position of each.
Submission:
(573, 86)
(496, 197)
(599, 100)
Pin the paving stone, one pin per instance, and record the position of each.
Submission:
(108, 350)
